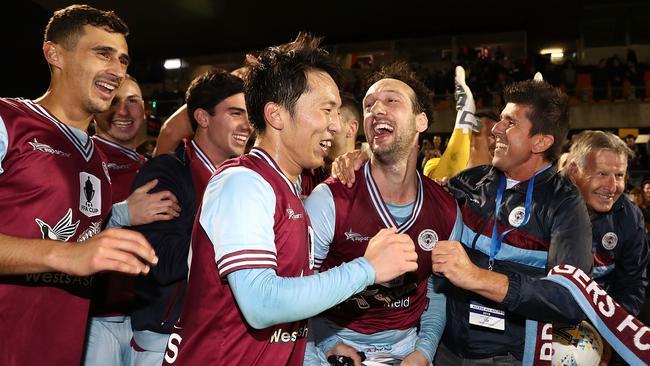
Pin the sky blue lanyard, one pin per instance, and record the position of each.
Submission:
(495, 244)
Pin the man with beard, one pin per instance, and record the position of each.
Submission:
(390, 192)
(55, 191)
(250, 286)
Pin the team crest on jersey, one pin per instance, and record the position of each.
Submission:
(37, 146)
(516, 216)
(105, 167)
(350, 235)
(427, 239)
(91, 231)
(62, 230)
(90, 194)
(610, 240)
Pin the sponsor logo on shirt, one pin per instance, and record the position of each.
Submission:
(282, 336)
(59, 279)
(292, 215)
(47, 148)
(115, 166)
(350, 235)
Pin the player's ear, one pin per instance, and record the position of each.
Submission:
(52, 54)
(202, 117)
(542, 143)
(421, 122)
(274, 115)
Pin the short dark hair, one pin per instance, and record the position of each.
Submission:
(209, 89)
(401, 71)
(66, 25)
(279, 74)
(489, 115)
(549, 113)
(348, 102)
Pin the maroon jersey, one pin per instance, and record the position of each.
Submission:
(309, 179)
(360, 214)
(123, 165)
(54, 186)
(113, 293)
(201, 166)
(211, 329)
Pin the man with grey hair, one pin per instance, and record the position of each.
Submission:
(597, 164)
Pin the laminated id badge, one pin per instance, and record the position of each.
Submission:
(484, 316)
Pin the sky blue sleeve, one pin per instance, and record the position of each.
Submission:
(457, 231)
(432, 322)
(237, 215)
(322, 215)
(265, 299)
(119, 215)
(4, 143)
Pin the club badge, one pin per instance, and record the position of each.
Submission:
(516, 216)
(427, 239)
(609, 240)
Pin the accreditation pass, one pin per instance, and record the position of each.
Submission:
(484, 316)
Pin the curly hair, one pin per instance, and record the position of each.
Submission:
(402, 72)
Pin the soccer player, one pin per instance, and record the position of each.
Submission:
(385, 318)
(217, 111)
(109, 333)
(250, 285)
(55, 192)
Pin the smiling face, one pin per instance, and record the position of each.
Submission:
(390, 124)
(228, 127)
(513, 143)
(93, 69)
(601, 180)
(315, 119)
(124, 118)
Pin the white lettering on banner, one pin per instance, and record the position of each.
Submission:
(546, 351)
(637, 339)
(606, 306)
(581, 277)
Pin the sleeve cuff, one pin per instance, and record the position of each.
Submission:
(511, 301)
(368, 269)
(119, 215)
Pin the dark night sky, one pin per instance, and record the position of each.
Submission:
(173, 28)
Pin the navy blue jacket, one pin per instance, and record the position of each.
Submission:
(557, 232)
(161, 292)
(620, 249)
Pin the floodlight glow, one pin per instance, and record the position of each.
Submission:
(557, 54)
(546, 51)
(172, 64)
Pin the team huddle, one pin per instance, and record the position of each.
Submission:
(214, 255)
